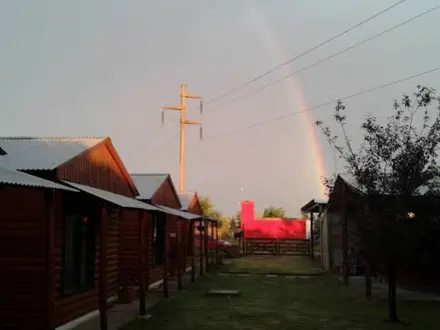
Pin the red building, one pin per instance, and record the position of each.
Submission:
(269, 227)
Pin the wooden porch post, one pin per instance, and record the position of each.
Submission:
(165, 258)
(193, 259)
(201, 247)
(50, 258)
(179, 255)
(216, 242)
(206, 232)
(213, 243)
(142, 286)
(148, 250)
(345, 246)
(312, 238)
(103, 235)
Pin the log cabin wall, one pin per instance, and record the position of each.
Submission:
(22, 258)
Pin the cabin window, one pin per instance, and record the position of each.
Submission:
(79, 254)
(158, 230)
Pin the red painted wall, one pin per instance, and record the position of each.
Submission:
(273, 228)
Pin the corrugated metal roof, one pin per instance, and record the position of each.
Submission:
(148, 183)
(351, 180)
(179, 213)
(43, 153)
(185, 199)
(16, 178)
(113, 198)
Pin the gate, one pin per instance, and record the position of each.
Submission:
(277, 247)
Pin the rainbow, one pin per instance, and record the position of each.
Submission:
(297, 99)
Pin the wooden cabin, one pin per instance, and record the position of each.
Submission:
(158, 189)
(29, 209)
(73, 248)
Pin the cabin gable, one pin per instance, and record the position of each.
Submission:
(100, 167)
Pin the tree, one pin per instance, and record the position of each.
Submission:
(237, 219)
(210, 211)
(395, 162)
(274, 212)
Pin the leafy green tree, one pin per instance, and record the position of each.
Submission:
(210, 211)
(237, 219)
(396, 160)
(274, 212)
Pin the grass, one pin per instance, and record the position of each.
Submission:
(281, 303)
(274, 265)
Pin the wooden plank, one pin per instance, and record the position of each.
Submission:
(165, 257)
(103, 270)
(142, 262)
(50, 258)
(193, 252)
(179, 258)
(205, 233)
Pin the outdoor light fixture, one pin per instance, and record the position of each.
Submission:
(411, 215)
(201, 227)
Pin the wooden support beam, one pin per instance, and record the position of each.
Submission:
(345, 272)
(216, 242)
(142, 261)
(179, 256)
(193, 259)
(206, 233)
(165, 257)
(50, 257)
(201, 249)
(312, 237)
(147, 216)
(103, 289)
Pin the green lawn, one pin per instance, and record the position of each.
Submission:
(280, 303)
(274, 265)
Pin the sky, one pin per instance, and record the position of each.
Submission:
(106, 67)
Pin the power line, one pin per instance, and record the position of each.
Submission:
(262, 123)
(331, 56)
(214, 99)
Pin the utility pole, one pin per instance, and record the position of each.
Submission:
(183, 121)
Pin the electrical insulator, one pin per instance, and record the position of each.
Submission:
(201, 107)
(201, 133)
(163, 116)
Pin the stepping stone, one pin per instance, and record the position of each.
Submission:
(293, 277)
(223, 292)
(243, 274)
(305, 277)
(270, 275)
(223, 274)
(145, 317)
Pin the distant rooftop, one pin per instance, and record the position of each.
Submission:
(148, 183)
(185, 199)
